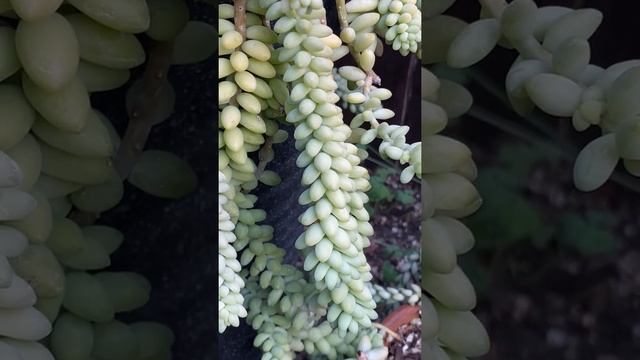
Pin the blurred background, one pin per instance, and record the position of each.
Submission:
(557, 270)
(171, 242)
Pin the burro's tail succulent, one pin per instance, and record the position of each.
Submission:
(276, 67)
(21, 324)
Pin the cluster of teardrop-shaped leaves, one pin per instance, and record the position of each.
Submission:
(287, 72)
(554, 74)
(57, 154)
(250, 99)
(366, 103)
(450, 329)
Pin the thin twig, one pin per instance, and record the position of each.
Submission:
(375, 151)
(387, 330)
(392, 168)
(341, 6)
(407, 89)
(240, 16)
(511, 128)
(537, 121)
(142, 118)
(370, 79)
(383, 164)
(142, 115)
(489, 85)
(265, 155)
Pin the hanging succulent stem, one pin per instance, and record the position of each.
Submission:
(141, 120)
(142, 116)
(341, 5)
(413, 63)
(265, 155)
(372, 77)
(240, 17)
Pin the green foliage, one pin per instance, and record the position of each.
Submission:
(389, 273)
(404, 197)
(507, 216)
(395, 251)
(589, 235)
(381, 193)
(379, 190)
(511, 219)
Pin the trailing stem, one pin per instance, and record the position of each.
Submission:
(342, 14)
(142, 118)
(240, 17)
(372, 77)
(413, 63)
(265, 156)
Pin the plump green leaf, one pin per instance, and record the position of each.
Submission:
(163, 174)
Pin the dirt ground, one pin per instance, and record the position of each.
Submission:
(563, 305)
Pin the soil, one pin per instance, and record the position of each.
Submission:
(554, 303)
(396, 225)
(568, 306)
(409, 345)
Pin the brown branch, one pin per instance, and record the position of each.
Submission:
(407, 89)
(371, 79)
(142, 116)
(341, 6)
(240, 16)
(265, 155)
